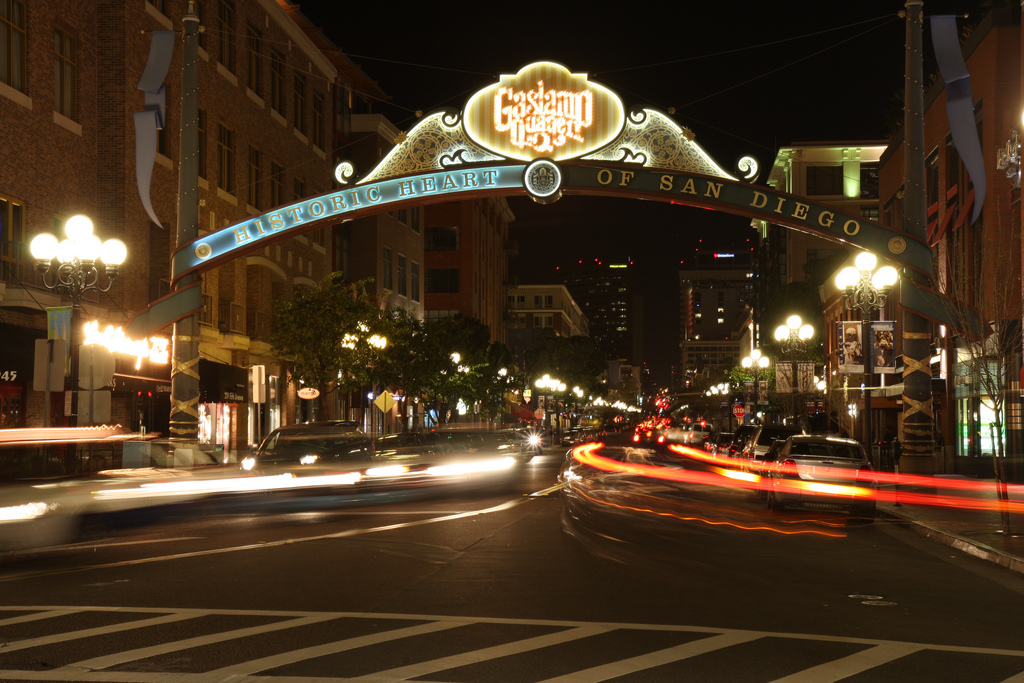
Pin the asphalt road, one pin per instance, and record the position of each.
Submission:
(658, 582)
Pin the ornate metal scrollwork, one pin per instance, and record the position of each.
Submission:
(1008, 159)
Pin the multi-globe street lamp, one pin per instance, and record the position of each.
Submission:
(865, 289)
(723, 390)
(794, 335)
(72, 267)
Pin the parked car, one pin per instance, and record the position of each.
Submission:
(719, 442)
(756, 466)
(763, 437)
(825, 472)
(739, 440)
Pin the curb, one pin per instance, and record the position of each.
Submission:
(965, 545)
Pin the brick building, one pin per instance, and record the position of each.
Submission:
(267, 97)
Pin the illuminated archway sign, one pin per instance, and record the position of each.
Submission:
(544, 111)
(544, 132)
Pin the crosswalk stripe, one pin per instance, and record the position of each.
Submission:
(98, 631)
(265, 663)
(653, 659)
(484, 654)
(37, 616)
(856, 663)
(162, 649)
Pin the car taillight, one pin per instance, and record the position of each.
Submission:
(661, 438)
(636, 437)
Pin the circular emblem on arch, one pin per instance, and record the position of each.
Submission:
(203, 251)
(897, 245)
(543, 180)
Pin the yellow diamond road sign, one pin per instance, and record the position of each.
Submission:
(384, 402)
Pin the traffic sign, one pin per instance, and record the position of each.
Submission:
(738, 410)
(384, 402)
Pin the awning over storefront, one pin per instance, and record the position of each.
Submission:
(220, 383)
(519, 411)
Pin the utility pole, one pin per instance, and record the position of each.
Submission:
(917, 419)
(184, 420)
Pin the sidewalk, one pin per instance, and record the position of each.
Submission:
(975, 532)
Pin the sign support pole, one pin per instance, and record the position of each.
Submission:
(184, 419)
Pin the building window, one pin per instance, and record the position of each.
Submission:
(299, 188)
(65, 65)
(441, 239)
(12, 233)
(869, 181)
(824, 180)
(255, 40)
(225, 158)
(277, 81)
(318, 119)
(402, 288)
(276, 184)
(549, 301)
(225, 34)
(387, 268)
(299, 100)
(12, 44)
(253, 189)
(202, 143)
(414, 281)
(442, 281)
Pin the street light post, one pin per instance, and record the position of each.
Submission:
(755, 361)
(71, 267)
(793, 338)
(865, 289)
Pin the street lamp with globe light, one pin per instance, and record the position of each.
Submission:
(865, 289)
(71, 267)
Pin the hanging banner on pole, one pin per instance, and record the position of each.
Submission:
(805, 376)
(783, 377)
(883, 353)
(851, 348)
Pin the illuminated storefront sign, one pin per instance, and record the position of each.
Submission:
(544, 111)
(114, 339)
(340, 205)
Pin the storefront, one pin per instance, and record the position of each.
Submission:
(223, 408)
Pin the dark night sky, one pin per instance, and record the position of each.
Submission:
(746, 77)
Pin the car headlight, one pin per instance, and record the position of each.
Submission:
(248, 464)
(308, 459)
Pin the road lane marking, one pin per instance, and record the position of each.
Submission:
(275, 661)
(858, 662)
(269, 544)
(484, 654)
(650, 660)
